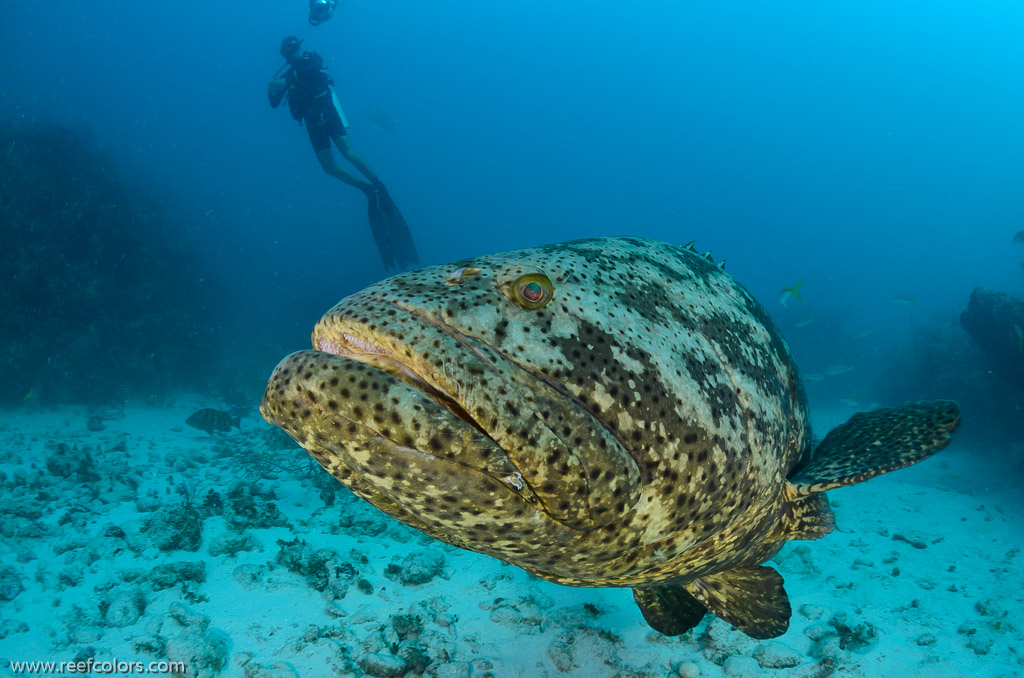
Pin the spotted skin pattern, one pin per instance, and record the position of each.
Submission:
(635, 429)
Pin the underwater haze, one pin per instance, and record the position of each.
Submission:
(871, 148)
(169, 236)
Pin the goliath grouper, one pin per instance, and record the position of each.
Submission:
(604, 412)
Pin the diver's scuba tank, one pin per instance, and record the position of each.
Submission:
(337, 107)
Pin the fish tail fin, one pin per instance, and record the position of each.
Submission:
(876, 442)
(795, 290)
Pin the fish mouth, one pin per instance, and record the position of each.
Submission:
(390, 393)
(361, 350)
(397, 431)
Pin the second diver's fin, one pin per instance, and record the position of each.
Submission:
(403, 250)
(378, 226)
(669, 609)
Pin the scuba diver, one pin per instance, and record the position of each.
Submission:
(312, 100)
(321, 10)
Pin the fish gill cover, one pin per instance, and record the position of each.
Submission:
(97, 301)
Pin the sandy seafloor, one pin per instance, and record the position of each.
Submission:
(921, 578)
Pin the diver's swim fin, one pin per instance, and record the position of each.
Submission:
(390, 230)
(379, 230)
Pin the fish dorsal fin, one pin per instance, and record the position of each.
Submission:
(808, 517)
(750, 598)
(873, 443)
(670, 610)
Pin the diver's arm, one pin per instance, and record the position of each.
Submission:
(277, 88)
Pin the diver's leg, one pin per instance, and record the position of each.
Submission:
(320, 132)
(327, 162)
(358, 161)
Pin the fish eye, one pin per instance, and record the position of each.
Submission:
(533, 291)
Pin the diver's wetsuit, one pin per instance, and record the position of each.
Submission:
(311, 99)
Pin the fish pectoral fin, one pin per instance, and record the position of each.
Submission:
(669, 609)
(750, 598)
(876, 442)
(807, 517)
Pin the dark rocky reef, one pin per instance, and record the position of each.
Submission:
(941, 361)
(100, 301)
(996, 323)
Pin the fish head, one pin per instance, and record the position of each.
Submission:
(521, 405)
(440, 396)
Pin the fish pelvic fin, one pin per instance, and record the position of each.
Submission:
(876, 442)
(670, 610)
(752, 599)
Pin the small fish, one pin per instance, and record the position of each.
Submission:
(793, 292)
(862, 334)
(903, 299)
(1020, 338)
(381, 118)
(814, 376)
(806, 322)
(1018, 239)
(838, 369)
(212, 421)
(849, 402)
(31, 392)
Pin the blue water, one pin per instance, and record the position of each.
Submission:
(872, 148)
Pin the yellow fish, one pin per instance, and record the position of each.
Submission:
(788, 292)
(849, 402)
(31, 392)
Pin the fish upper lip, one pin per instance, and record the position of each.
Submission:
(354, 347)
(357, 345)
(362, 350)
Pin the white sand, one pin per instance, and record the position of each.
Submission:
(948, 609)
